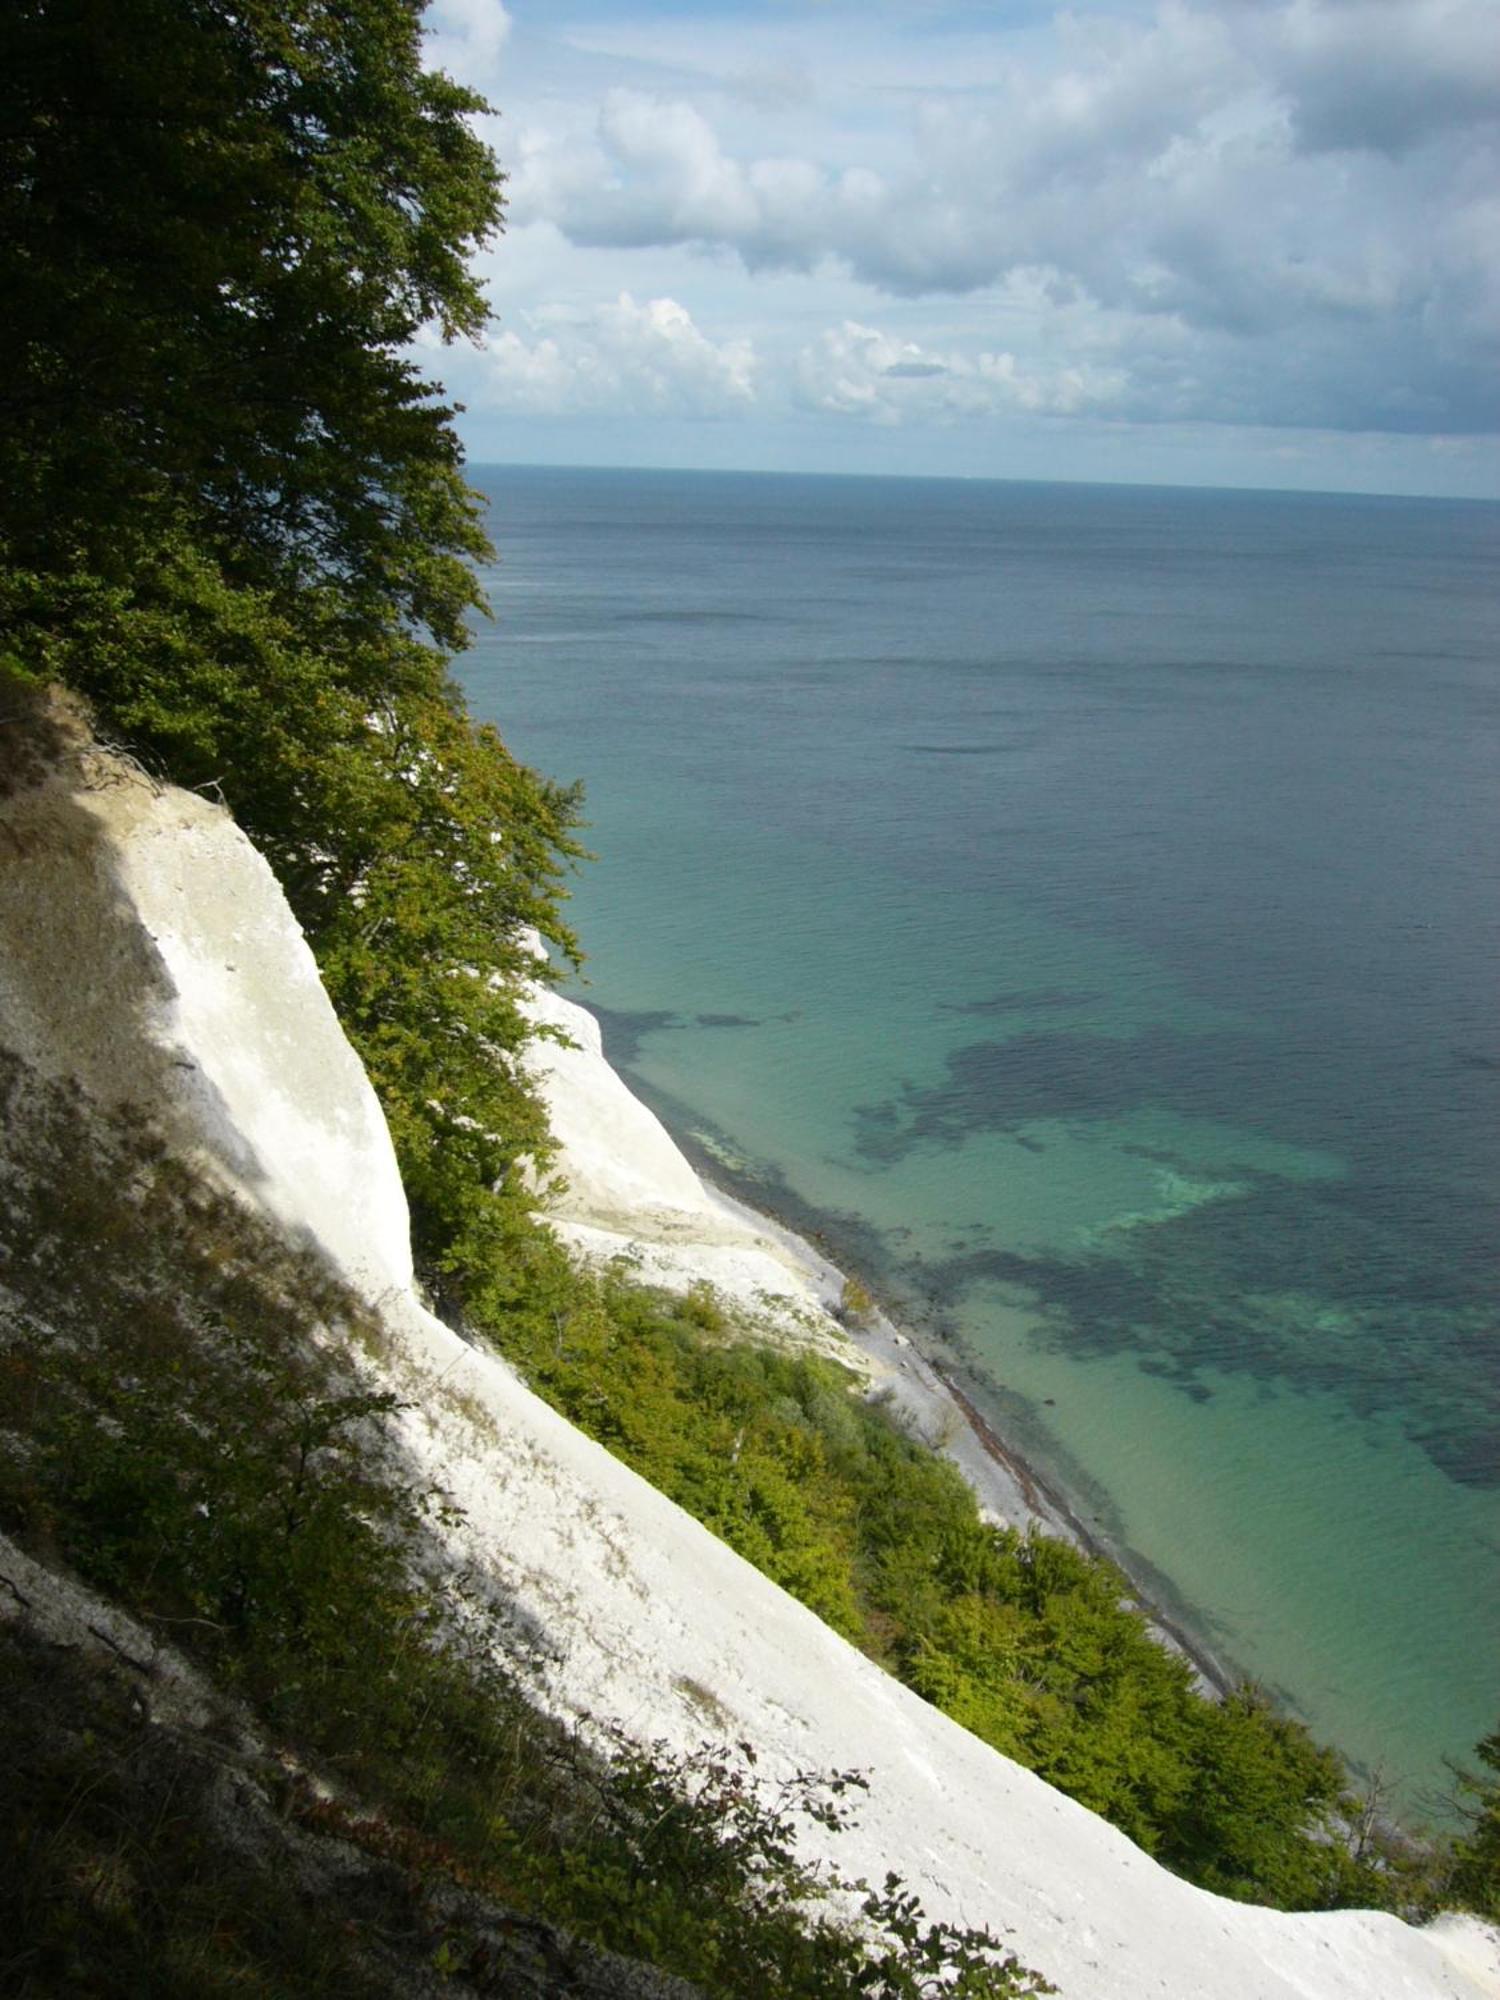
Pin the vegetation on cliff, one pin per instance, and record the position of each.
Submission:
(370, 1804)
(237, 524)
(1035, 1646)
(1474, 1881)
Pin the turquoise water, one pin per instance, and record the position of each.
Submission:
(1082, 902)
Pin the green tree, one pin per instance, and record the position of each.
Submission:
(1475, 1881)
(234, 515)
(221, 225)
(1262, 1785)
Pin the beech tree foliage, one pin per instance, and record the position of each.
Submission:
(235, 518)
(1475, 1880)
(222, 223)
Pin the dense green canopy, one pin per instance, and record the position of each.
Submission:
(220, 227)
(234, 515)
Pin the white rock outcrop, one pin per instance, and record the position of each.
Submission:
(626, 1191)
(145, 949)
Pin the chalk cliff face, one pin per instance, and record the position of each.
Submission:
(145, 950)
(625, 1190)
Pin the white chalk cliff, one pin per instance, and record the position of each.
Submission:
(146, 950)
(624, 1190)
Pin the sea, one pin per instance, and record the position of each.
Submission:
(1080, 905)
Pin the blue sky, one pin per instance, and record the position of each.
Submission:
(1230, 242)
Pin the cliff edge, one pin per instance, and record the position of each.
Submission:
(147, 953)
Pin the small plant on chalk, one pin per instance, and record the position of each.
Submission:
(714, 1844)
(855, 1303)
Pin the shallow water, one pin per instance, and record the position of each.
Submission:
(1084, 898)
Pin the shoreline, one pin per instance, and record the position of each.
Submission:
(943, 1415)
(654, 1195)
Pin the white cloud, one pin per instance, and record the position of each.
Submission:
(1305, 186)
(861, 371)
(467, 38)
(654, 173)
(926, 238)
(619, 358)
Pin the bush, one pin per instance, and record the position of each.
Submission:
(1474, 1883)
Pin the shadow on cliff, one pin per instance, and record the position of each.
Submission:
(176, 1361)
(86, 994)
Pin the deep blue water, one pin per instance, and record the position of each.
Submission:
(1085, 898)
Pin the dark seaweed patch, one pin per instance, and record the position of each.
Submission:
(1389, 1326)
(624, 1031)
(1023, 1000)
(998, 1086)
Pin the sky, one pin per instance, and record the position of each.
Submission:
(1201, 242)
